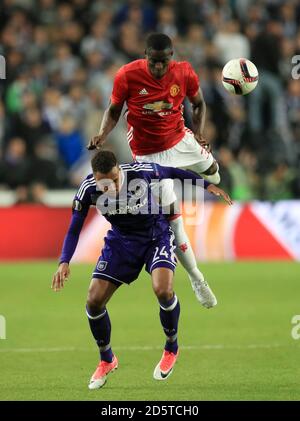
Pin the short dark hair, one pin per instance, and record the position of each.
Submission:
(158, 41)
(103, 162)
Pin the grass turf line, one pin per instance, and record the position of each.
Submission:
(240, 350)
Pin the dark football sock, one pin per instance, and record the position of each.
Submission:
(169, 316)
(101, 329)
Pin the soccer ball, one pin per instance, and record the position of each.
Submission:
(239, 76)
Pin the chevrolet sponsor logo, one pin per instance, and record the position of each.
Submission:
(158, 106)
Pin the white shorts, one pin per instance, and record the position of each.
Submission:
(186, 154)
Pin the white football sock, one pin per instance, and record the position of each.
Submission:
(184, 250)
(214, 178)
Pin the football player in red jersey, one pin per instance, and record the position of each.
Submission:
(154, 89)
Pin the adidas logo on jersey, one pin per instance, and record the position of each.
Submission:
(143, 92)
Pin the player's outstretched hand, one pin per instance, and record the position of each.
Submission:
(212, 188)
(60, 276)
(96, 142)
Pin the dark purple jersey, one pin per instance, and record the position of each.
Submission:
(133, 212)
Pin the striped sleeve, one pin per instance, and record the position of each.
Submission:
(82, 200)
(138, 166)
(81, 204)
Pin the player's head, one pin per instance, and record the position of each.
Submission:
(106, 172)
(159, 51)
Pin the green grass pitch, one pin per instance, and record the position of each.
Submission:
(240, 350)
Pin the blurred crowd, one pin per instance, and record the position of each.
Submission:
(61, 58)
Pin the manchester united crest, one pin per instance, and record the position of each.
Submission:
(174, 90)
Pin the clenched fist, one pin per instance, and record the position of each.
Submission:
(96, 142)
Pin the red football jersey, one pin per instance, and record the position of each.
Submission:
(154, 117)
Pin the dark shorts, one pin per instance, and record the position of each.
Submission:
(122, 259)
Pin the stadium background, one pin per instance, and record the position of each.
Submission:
(61, 58)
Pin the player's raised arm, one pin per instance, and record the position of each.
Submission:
(109, 121)
(112, 113)
(195, 96)
(177, 173)
(199, 111)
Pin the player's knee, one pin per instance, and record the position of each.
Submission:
(164, 293)
(212, 173)
(94, 307)
(94, 303)
(213, 169)
(214, 179)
